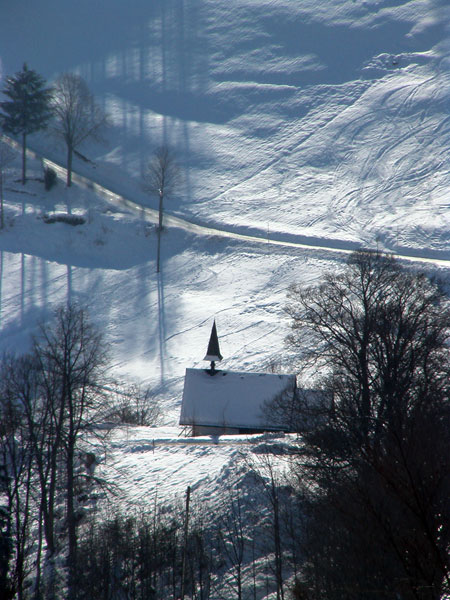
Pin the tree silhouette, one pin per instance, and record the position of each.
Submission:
(77, 116)
(375, 467)
(28, 108)
(160, 178)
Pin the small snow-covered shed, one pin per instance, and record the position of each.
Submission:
(219, 402)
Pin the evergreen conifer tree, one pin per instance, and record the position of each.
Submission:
(27, 109)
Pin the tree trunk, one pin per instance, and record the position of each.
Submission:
(160, 220)
(186, 531)
(158, 251)
(239, 582)
(71, 524)
(160, 215)
(24, 158)
(2, 220)
(277, 543)
(69, 165)
(37, 585)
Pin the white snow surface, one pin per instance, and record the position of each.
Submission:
(144, 465)
(323, 123)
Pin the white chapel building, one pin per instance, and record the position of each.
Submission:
(218, 402)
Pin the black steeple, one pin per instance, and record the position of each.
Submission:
(213, 352)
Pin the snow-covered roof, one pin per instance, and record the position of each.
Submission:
(231, 398)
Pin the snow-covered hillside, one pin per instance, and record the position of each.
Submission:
(317, 119)
(312, 121)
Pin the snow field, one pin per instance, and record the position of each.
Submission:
(321, 121)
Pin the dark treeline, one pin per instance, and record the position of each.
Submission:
(50, 398)
(374, 467)
(194, 552)
(146, 557)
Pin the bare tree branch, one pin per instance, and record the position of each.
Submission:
(160, 179)
(77, 117)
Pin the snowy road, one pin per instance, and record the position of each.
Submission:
(120, 201)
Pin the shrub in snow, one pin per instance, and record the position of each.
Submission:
(135, 406)
(50, 178)
(64, 218)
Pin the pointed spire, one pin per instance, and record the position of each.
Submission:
(213, 352)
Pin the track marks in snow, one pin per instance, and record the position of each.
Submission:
(392, 158)
(165, 470)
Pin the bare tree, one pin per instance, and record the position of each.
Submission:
(7, 156)
(5, 547)
(50, 400)
(233, 539)
(72, 360)
(266, 472)
(16, 459)
(160, 179)
(134, 405)
(77, 117)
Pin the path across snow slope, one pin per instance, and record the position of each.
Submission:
(118, 201)
(339, 246)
